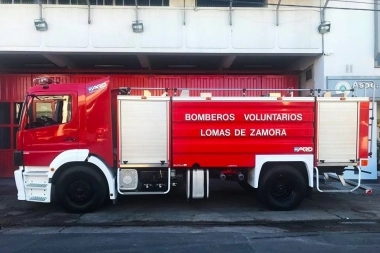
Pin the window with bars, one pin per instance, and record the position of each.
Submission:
(5, 135)
(232, 3)
(92, 2)
(17, 106)
(199, 3)
(5, 113)
(5, 121)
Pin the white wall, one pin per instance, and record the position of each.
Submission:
(319, 73)
(206, 30)
(350, 44)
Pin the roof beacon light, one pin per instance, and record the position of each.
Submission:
(43, 81)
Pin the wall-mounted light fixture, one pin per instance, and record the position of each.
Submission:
(40, 24)
(324, 27)
(137, 26)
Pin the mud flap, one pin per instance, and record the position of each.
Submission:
(309, 193)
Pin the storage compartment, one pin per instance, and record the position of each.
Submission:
(337, 131)
(143, 131)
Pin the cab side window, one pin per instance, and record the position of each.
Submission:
(44, 111)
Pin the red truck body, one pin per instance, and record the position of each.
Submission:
(227, 133)
(117, 143)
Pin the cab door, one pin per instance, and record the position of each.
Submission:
(50, 127)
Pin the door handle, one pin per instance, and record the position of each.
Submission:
(41, 134)
(69, 139)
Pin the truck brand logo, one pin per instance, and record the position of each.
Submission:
(97, 87)
(303, 149)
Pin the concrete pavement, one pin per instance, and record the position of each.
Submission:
(228, 205)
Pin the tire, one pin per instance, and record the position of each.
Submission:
(282, 188)
(81, 189)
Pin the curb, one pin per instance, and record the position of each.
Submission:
(312, 223)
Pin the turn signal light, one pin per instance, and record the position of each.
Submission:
(364, 162)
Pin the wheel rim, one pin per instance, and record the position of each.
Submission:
(282, 189)
(80, 191)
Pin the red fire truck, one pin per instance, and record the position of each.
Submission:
(83, 144)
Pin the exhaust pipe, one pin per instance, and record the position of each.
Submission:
(240, 176)
(222, 176)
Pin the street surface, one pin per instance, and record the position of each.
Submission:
(185, 239)
(228, 204)
(232, 220)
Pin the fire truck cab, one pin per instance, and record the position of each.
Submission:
(84, 144)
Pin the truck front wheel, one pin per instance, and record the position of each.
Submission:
(282, 188)
(80, 189)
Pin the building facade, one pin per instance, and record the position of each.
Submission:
(204, 44)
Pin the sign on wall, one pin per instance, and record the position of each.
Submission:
(363, 86)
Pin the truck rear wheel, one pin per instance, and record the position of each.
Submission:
(282, 188)
(81, 189)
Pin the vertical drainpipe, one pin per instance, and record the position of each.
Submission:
(323, 11)
(377, 48)
(231, 1)
(184, 12)
(323, 41)
(278, 6)
(137, 11)
(89, 15)
(40, 4)
(323, 20)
